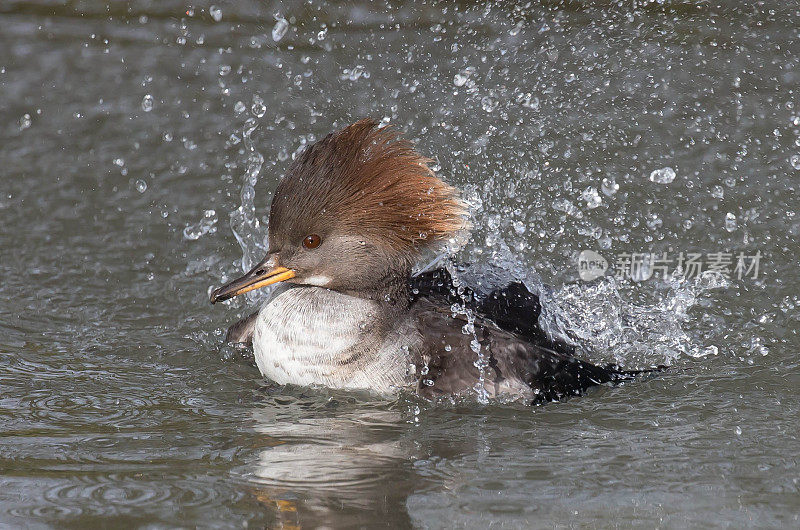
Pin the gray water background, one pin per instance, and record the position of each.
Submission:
(122, 123)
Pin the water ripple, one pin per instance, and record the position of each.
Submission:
(114, 494)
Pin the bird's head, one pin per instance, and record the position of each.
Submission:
(354, 212)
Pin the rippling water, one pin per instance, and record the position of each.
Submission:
(140, 142)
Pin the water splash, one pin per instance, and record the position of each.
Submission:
(628, 323)
(610, 320)
(244, 223)
(481, 360)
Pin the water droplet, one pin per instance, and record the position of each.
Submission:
(730, 222)
(141, 186)
(215, 12)
(563, 205)
(794, 160)
(475, 346)
(738, 431)
(528, 100)
(258, 108)
(653, 221)
(24, 122)
(665, 175)
(461, 78)
(592, 198)
(357, 72)
(709, 350)
(206, 225)
(609, 186)
(147, 103)
(279, 29)
(322, 34)
(488, 104)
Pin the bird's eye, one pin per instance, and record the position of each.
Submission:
(312, 241)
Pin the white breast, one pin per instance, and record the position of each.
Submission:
(310, 335)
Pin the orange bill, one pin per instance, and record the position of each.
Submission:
(255, 279)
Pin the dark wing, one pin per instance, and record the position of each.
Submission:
(512, 308)
(515, 366)
(242, 331)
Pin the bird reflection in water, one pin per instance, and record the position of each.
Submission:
(329, 468)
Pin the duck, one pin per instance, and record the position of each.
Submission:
(354, 214)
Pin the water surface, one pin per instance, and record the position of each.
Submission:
(124, 124)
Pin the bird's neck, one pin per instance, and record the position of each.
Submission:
(391, 293)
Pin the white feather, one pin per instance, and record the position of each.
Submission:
(318, 280)
(306, 335)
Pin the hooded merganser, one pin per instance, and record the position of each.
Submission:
(356, 211)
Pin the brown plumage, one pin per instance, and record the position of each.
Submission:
(366, 180)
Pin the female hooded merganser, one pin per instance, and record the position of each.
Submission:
(348, 222)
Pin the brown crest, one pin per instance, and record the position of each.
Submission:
(366, 180)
